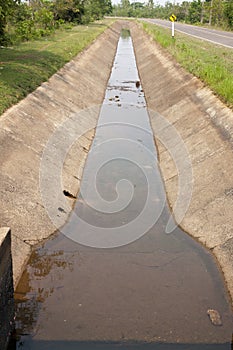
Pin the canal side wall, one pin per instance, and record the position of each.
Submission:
(25, 130)
(6, 288)
(205, 125)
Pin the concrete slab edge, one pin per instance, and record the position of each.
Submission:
(6, 288)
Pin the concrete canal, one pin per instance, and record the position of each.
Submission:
(113, 278)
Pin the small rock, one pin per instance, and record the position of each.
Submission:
(215, 317)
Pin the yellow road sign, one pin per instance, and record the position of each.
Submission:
(172, 18)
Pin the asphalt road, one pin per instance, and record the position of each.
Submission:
(212, 35)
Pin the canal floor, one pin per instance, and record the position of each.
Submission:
(113, 278)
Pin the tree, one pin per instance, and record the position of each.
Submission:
(126, 8)
(228, 12)
(151, 4)
(96, 9)
(6, 7)
(68, 10)
(195, 11)
(216, 12)
(182, 11)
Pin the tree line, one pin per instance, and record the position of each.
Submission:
(31, 19)
(213, 12)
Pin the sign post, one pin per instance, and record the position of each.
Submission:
(173, 19)
(173, 29)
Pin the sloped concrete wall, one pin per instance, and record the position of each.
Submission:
(204, 123)
(6, 288)
(25, 130)
(206, 128)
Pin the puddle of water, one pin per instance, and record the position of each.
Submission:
(147, 291)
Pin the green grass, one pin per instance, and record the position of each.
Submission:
(24, 67)
(213, 64)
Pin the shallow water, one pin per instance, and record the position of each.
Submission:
(114, 278)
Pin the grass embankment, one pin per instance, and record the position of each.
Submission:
(213, 64)
(24, 67)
